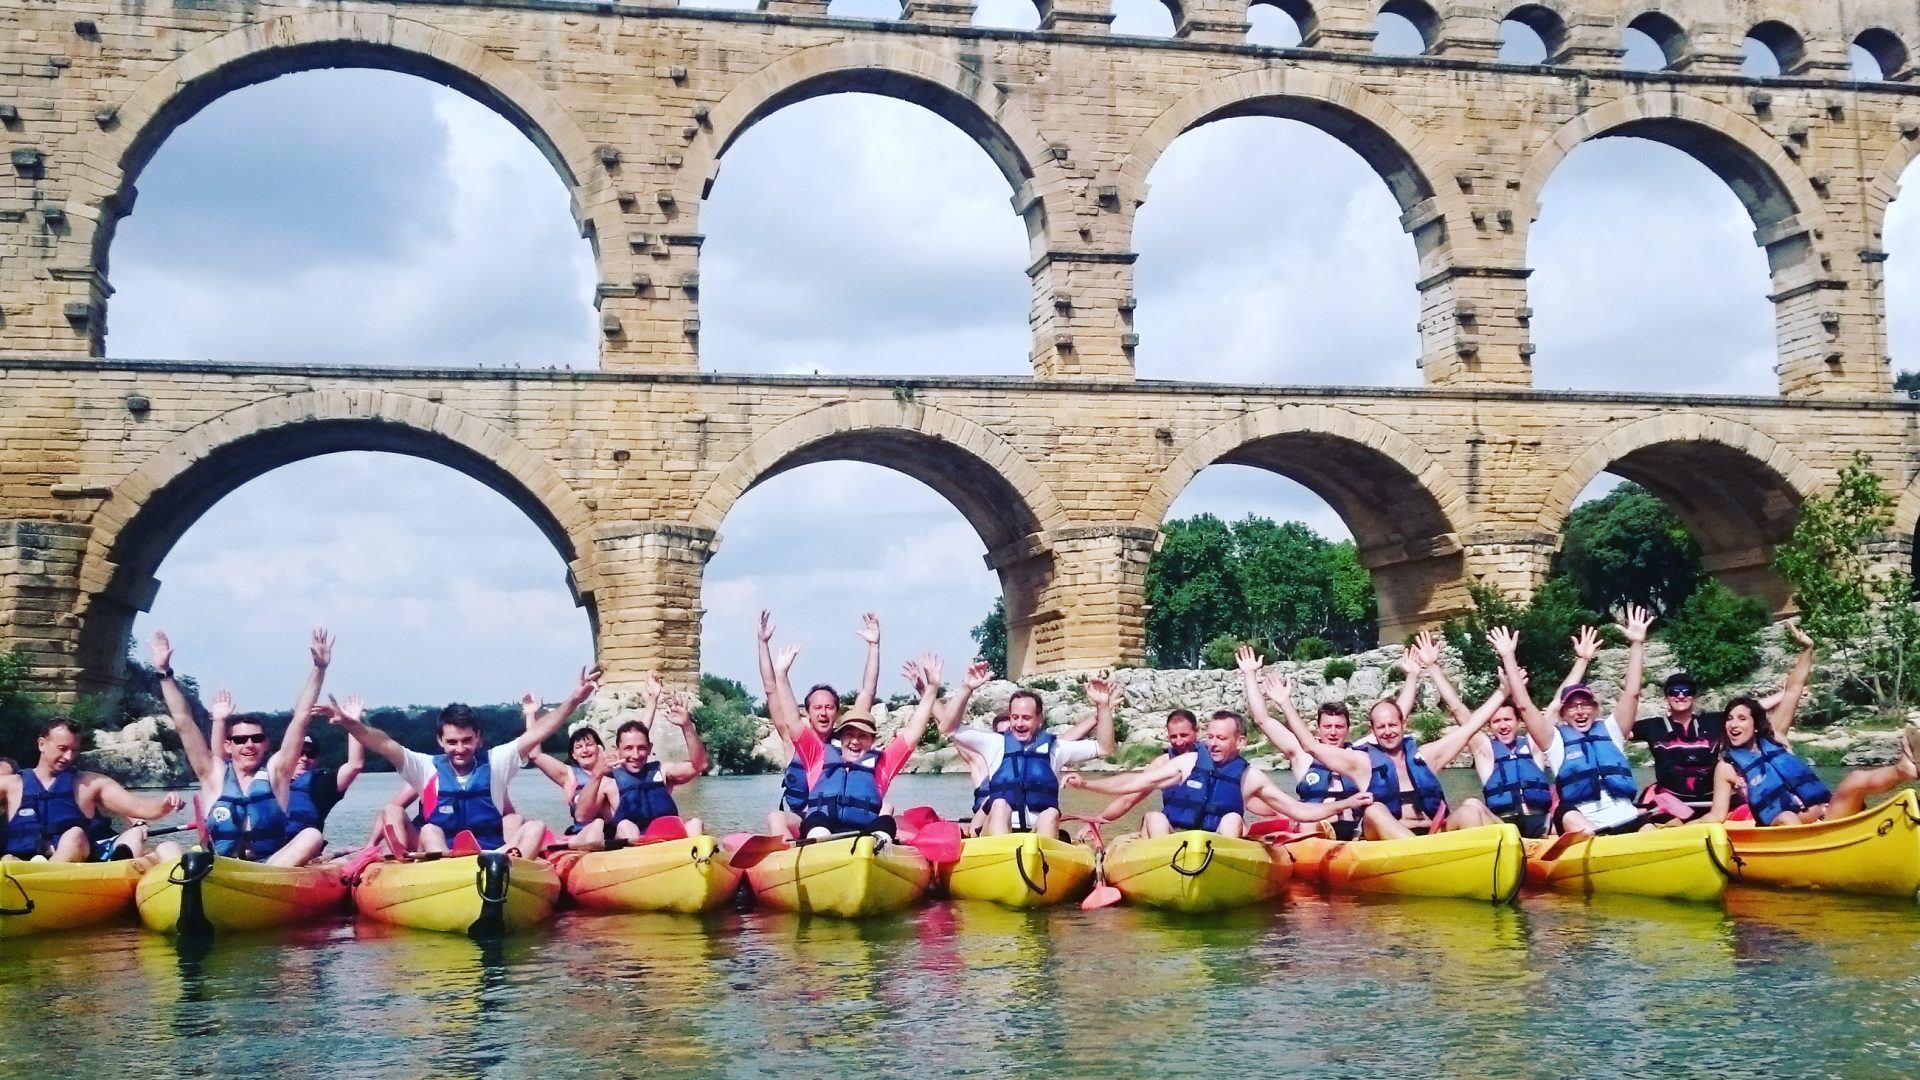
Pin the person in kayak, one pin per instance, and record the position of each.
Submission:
(639, 790)
(1780, 788)
(847, 779)
(585, 749)
(312, 794)
(462, 788)
(977, 776)
(53, 807)
(1586, 754)
(1210, 786)
(822, 706)
(1023, 763)
(244, 789)
(1514, 784)
(1183, 734)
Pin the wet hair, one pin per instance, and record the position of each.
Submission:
(584, 733)
(1239, 722)
(459, 716)
(806, 699)
(58, 722)
(1038, 708)
(1335, 708)
(1183, 714)
(1755, 710)
(633, 725)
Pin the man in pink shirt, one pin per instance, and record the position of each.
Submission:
(847, 779)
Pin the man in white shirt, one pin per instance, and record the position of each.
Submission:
(1023, 763)
(461, 788)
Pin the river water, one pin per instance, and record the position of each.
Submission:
(1322, 986)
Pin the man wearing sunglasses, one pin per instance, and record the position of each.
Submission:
(244, 791)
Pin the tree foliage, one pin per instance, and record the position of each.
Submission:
(991, 637)
(1715, 635)
(1546, 625)
(725, 719)
(1628, 548)
(21, 711)
(1254, 581)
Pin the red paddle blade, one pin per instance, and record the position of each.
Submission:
(917, 817)
(351, 870)
(939, 841)
(664, 828)
(465, 843)
(548, 840)
(1666, 803)
(1101, 896)
(754, 849)
(1270, 827)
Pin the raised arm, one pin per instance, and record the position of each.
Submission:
(870, 671)
(1440, 753)
(192, 742)
(1634, 626)
(1505, 641)
(1354, 764)
(954, 708)
(219, 711)
(1411, 664)
(782, 709)
(1129, 783)
(1586, 646)
(1256, 784)
(680, 716)
(596, 793)
(1780, 716)
(351, 717)
(916, 725)
(1104, 695)
(1449, 697)
(1279, 689)
(550, 723)
(1249, 663)
(280, 765)
(351, 768)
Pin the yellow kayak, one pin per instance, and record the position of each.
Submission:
(1486, 863)
(1197, 871)
(848, 878)
(37, 897)
(484, 895)
(1020, 870)
(689, 876)
(1686, 862)
(200, 893)
(1876, 852)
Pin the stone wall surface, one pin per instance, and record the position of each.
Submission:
(1067, 473)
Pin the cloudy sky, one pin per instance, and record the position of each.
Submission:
(367, 217)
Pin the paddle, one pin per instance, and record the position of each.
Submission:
(938, 841)
(1270, 827)
(356, 865)
(1561, 843)
(1103, 894)
(464, 843)
(1669, 804)
(755, 849)
(917, 817)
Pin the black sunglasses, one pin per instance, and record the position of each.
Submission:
(1679, 693)
(258, 736)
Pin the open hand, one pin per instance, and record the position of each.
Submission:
(1635, 625)
(1586, 643)
(869, 628)
(162, 651)
(222, 706)
(1800, 636)
(979, 673)
(766, 625)
(931, 667)
(1247, 660)
(653, 689)
(783, 662)
(1505, 640)
(353, 709)
(1429, 648)
(677, 711)
(321, 648)
(1103, 693)
(1279, 688)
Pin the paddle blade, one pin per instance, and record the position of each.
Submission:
(1668, 804)
(917, 817)
(1273, 826)
(1562, 843)
(465, 843)
(1101, 896)
(664, 828)
(351, 870)
(754, 849)
(939, 841)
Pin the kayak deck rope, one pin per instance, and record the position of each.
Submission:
(1174, 862)
(22, 890)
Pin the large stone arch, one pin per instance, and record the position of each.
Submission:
(285, 45)
(1737, 490)
(960, 95)
(147, 511)
(1000, 493)
(1400, 503)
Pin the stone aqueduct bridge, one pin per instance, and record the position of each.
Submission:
(1067, 474)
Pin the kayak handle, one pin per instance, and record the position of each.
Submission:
(1732, 873)
(195, 869)
(490, 878)
(1020, 864)
(1181, 850)
(22, 890)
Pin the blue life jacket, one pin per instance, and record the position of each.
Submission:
(1321, 784)
(848, 791)
(469, 808)
(981, 793)
(302, 811)
(1210, 792)
(1591, 764)
(580, 776)
(1384, 783)
(247, 824)
(1776, 780)
(1025, 778)
(44, 814)
(793, 786)
(1516, 785)
(643, 797)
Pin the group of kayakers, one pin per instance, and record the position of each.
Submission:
(1560, 769)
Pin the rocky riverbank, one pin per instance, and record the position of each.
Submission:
(139, 755)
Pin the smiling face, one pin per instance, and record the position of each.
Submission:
(586, 751)
(1580, 711)
(823, 707)
(1680, 702)
(1223, 739)
(1504, 724)
(1741, 725)
(636, 749)
(1181, 734)
(1331, 728)
(855, 741)
(58, 748)
(1023, 715)
(1388, 726)
(460, 744)
(246, 744)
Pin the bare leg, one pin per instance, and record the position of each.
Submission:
(1156, 824)
(978, 823)
(626, 830)
(783, 822)
(591, 837)
(510, 824)
(74, 846)
(134, 840)
(300, 850)
(395, 819)
(1232, 825)
(1047, 823)
(1575, 822)
(999, 818)
(528, 840)
(1378, 824)
(1862, 784)
(1471, 814)
(164, 850)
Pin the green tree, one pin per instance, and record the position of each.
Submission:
(1546, 624)
(725, 719)
(1628, 548)
(21, 711)
(991, 637)
(1715, 635)
(1907, 382)
(1192, 596)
